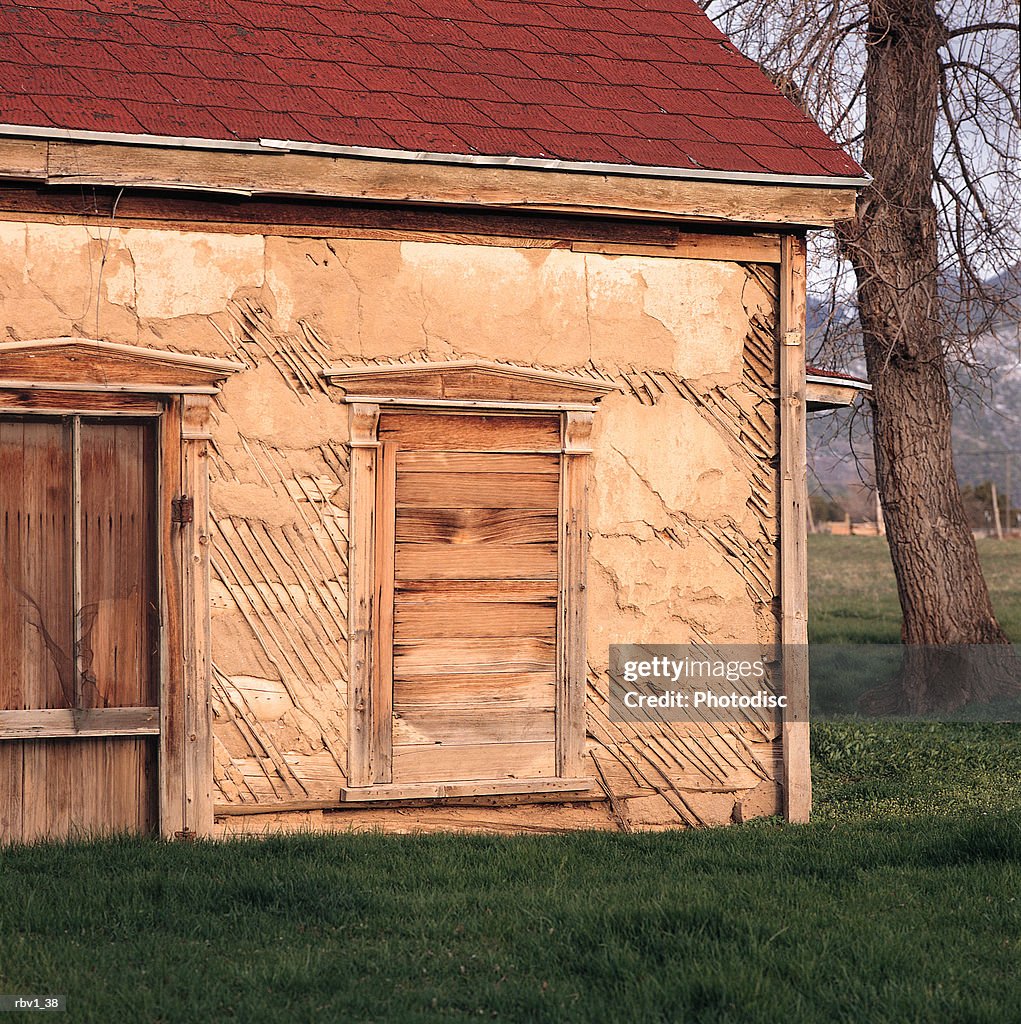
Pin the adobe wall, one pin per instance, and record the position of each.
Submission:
(683, 513)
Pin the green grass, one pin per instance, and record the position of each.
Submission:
(855, 619)
(901, 903)
(867, 921)
(853, 596)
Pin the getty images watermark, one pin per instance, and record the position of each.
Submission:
(699, 683)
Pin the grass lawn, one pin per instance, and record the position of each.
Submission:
(901, 903)
(853, 596)
(867, 921)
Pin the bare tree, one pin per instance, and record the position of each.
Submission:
(924, 93)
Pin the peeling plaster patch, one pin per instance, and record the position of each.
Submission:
(469, 294)
(686, 296)
(676, 459)
(58, 262)
(183, 273)
(616, 292)
(262, 406)
(310, 281)
(13, 243)
(119, 276)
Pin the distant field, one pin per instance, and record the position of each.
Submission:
(853, 597)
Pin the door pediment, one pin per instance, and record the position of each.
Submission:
(82, 364)
(478, 381)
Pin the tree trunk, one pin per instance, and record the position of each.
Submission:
(893, 247)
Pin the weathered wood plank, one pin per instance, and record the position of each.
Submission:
(23, 159)
(11, 784)
(793, 539)
(464, 619)
(35, 820)
(572, 662)
(172, 761)
(509, 688)
(381, 759)
(362, 539)
(44, 401)
(299, 174)
(195, 542)
(691, 246)
(476, 591)
(36, 647)
(477, 490)
(56, 722)
(470, 432)
(118, 551)
(476, 526)
(443, 656)
(326, 218)
(437, 763)
(441, 790)
(473, 725)
(476, 462)
(476, 561)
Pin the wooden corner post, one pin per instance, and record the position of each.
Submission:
(797, 774)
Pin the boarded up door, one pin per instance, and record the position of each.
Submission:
(79, 680)
(473, 502)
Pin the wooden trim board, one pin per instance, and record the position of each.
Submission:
(298, 174)
(49, 723)
(793, 529)
(439, 790)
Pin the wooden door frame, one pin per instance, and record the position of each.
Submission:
(67, 376)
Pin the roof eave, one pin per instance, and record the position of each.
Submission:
(824, 392)
(269, 146)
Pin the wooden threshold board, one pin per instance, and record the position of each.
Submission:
(435, 790)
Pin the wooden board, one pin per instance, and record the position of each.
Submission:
(75, 787)
(65, 722)
(495, 725)
(426, 691)
(119, 617)
(475, 462)
(471, 432)
(492, 793)
(478, 490)
(476, 591)
(36, 647)
(417, 621)
(476, 562)
(505, 188)
(432, 763)
(442, 656)
(476, 526)
(42, 400)
(793, 530)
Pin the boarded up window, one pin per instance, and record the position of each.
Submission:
(78, 619)
(473, 685)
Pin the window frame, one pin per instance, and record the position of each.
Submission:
(463, 386)
(66, 377)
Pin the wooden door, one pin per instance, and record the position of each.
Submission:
(474, 546)
(79, 626)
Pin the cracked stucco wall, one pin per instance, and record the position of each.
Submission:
(683, 512)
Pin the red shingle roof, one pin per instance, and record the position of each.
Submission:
(643, 82)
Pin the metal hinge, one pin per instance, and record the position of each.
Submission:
(182, 510)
